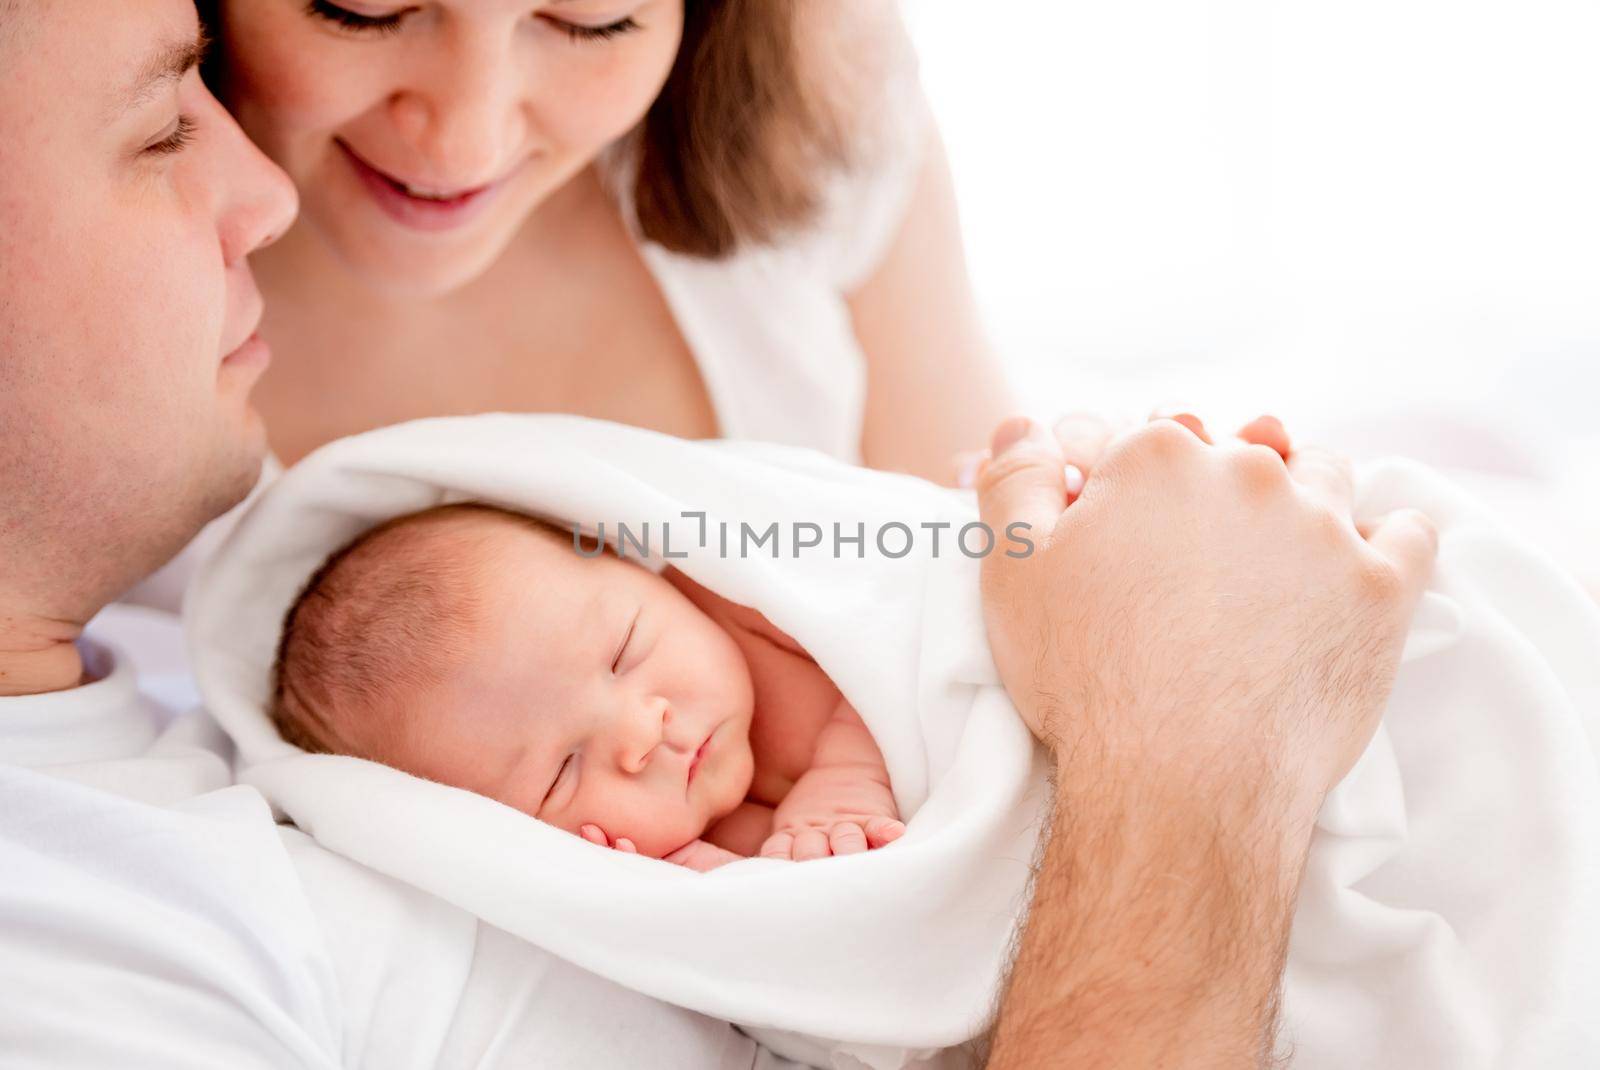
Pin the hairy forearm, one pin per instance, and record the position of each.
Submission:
(1157, 933)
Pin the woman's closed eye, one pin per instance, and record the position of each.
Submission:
(346, 19)
(581, 32)
(360, 22)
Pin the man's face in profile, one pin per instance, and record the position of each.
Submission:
(128, 202)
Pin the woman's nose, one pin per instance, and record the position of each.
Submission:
(643, 733)
(467, 115)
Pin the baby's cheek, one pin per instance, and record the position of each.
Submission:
(661, 832)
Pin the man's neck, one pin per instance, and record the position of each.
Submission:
(38, 654)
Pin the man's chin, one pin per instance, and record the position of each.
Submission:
(235, 469)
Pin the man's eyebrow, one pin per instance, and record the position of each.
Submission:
(171, 63)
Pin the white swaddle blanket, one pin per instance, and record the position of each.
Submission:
(1447, 915)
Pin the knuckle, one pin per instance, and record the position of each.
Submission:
(1424, 526)
(1377, 580)
(1165, 437)
(1328, 527)
(1157, 442)
(1259, 468)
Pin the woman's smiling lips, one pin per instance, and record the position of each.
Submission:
(419, 210)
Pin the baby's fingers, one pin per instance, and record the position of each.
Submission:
(847, 838)
(597, 836)
(810, 844)
(778, 845)
(883, 830)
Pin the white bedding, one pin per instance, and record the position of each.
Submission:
(1445, 920)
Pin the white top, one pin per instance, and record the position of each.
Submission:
(152, 915)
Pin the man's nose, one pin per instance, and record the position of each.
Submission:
(259, 201)
(466, 116)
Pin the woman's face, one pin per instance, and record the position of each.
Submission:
(421, 135)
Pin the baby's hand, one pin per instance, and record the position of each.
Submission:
(701, 856)
(842, 805)
(801, 843)
(697, 855)
(598, 836)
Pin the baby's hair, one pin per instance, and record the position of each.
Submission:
(383, 620)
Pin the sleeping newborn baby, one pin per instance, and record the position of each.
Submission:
(475, 647)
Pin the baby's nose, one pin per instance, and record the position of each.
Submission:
(648, 734)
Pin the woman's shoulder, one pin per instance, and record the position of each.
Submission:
(862, 51)
(868, 53)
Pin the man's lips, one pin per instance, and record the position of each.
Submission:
(253, 351)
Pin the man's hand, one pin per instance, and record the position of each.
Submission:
(1083, 437)
(1205, 641)
(1205, 609)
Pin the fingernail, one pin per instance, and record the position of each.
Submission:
(1010, 433)
(1074, 480)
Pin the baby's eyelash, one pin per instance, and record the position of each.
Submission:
(623, 646)
(551, 789)
(175, 142)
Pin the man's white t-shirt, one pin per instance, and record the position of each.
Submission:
(152, 914)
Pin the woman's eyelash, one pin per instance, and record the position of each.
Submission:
(177, 141)
(351, 20)
(597, 33)
(385, 24)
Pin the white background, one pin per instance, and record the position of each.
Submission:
(1378, 219)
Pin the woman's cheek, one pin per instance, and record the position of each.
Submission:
(598, 99)
(287, 85)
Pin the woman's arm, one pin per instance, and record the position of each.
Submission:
(934, 388)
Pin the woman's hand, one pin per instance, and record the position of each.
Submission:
(1201, 612)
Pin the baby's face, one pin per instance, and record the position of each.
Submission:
(594, 692)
